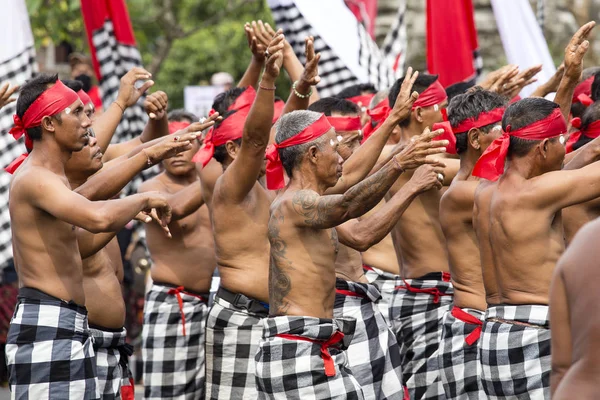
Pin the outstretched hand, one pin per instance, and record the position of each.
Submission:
(159, 209)
(256, 45)
(156, 105)
(406, 97)
(170, 146)
(128, 94)
(310, 76)
(525, 78)
(274, 56)
(427, 177)
(415, 152)
(5, 94)
(575, 51)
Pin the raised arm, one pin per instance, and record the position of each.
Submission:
(308, 209)
(104, 126)
(91, 243)
(48, 193)
(257, 61)
(183, 202)
(551, 86)
(157, 127)
(302, 89)
(583, 156)
(574, 53)
(362, 161)
(208, 178)
(109, 181)
(241, 175)
(361, 234)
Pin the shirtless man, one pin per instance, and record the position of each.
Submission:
(44, 213)
(475, 118)
(176, 305)
(573, 310)
(301, 303)
(422, 292)
(524, 232)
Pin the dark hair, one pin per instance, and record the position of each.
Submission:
(181, 115)
(422, 82)
(357, 90)
(290, 125)
(596, 88)
(72, 84)
(577, 109)
(521, 114)
(29, 92)
(224, 100)
(591, 115)
(329, 105)
(470, 105)
(220, 153)
(458, 88)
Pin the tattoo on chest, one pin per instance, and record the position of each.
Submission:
(279, 281)
(334, 240)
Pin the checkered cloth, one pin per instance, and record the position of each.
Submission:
(17, 71)
(305, 358)
(459, 356)
(232, 337)
(373, 354)
(173, 343)
(387, 284)
(112, 363)
(416, 313)
(515, 359)
(49, 349)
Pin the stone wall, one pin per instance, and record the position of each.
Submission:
(559, 25)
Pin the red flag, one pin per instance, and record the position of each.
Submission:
(365, 12)
(451, 40)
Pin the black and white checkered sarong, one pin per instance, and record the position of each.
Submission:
(305, 358)
(459, 355)
(373, 354)
(232, 337)
(416, 313)
(49, 349)
(386, 283)
(515, 359)
(173, 343)
(112, 363)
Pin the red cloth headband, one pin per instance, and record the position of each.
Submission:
(434, 94)
(231, 128)
(177, 126)
(83, 96)
(483, 119)
(275, 170)
(378, 115)
(279, 106)
(592, 131)
(448, 135)
(583, 91)
(51, 102)
(491, 163)
(345, 124)
(363, 99)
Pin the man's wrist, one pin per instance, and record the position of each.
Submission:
(397, 164)
(267, 81)
(120, 104)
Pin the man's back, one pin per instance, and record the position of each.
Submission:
(456, 219)
(45, 248)
(242, 247)
(578, 215)
(527, 241)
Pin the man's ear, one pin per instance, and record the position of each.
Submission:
(313, 154)
(473, 138)
(417, 114)
(232, 148)
(48, 124)
(543, 148)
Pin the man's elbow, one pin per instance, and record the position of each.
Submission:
(100, 222)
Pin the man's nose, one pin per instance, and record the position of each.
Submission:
(92, 140)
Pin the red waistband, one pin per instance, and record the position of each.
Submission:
(349, 293)
(325, 345)
(467, 318)
(435, 292)
(177, 292)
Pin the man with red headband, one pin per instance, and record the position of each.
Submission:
(302, 351)
(176, 305)
(343, 115)
(361, 95)
(49, 329)
(582, 96)
(475, 120)
(420, 293)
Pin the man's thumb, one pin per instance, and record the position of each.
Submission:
(147, 85)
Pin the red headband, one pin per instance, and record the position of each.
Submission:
(434, 94)
(583, 91)
(378, 114)
(491, 163)
(345, 124)
(83, 96)
(177, 126)
(279, 106)
(51, 102)
(275, 170)
(592, 131)
(231, 128)
(363, 99)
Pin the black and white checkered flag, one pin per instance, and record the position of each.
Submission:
(348, 54)
(17, 65)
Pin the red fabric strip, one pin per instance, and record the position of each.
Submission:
(279, 106)
(583, 90)
(177, 126)
(467, 318)
(275, 172)
(448, 135)
(363, 99)
(435, 292)
(491, 163)
(483, 119)
(325, 345)
(349, 293)
(434, 94)
(83, 96)
(345, 124)
(177, 292)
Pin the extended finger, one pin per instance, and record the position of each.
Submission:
(147, 85)
(435, 163)
(582, 49)
(269, 29)
(3, 90)
(427, 135)
(249, 34)
(309, 49)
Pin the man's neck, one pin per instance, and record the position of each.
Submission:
(304, 180)
(468, 159)
(51, 156)
(410, 131)
(524, 167)
(184, 179)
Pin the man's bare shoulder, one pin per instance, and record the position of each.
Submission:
(153, 184)
(459, 195)
(34, 180)
(583, 251)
